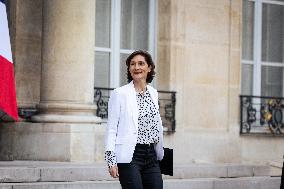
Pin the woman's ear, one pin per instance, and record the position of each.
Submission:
(150, 68)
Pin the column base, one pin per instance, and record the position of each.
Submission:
(66, 113)
(53, 118)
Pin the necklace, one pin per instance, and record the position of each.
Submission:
(141, 92)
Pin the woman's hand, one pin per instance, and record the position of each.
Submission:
(113, 171)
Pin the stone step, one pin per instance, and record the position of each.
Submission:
(21, 171)
(218, 171)
(202, 183)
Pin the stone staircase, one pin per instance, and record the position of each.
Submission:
(63, 175)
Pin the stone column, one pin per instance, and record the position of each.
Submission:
(67, 80)
(66, 126)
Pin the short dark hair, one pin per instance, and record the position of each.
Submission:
(149, 61)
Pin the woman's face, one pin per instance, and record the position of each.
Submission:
(139, 68)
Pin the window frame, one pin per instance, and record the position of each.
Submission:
(115, 51)
(257, 62)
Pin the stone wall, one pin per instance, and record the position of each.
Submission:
(199, 56)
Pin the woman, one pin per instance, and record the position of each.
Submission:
(134, 134)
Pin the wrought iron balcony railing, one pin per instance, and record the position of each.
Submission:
(167, 102)
(261, 115)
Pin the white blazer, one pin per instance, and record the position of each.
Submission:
(122, 126)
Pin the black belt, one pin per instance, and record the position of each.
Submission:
(145, 145)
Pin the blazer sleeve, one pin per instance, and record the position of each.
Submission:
(113, 120)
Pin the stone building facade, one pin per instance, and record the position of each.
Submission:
(198, 53)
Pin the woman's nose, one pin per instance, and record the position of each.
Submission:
(136, 66)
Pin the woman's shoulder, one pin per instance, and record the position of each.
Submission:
(121, 90)
(149, 87)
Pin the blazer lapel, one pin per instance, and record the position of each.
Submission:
(133, 104)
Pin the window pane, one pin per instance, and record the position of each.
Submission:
(134, 24)
(123, 69)
(272, 33)
(248, 22)
(103, 20)
(102, 69)
(271, 81)
(247, 79)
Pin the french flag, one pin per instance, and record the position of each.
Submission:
(8, 103)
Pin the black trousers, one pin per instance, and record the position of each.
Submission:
(143, 172)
